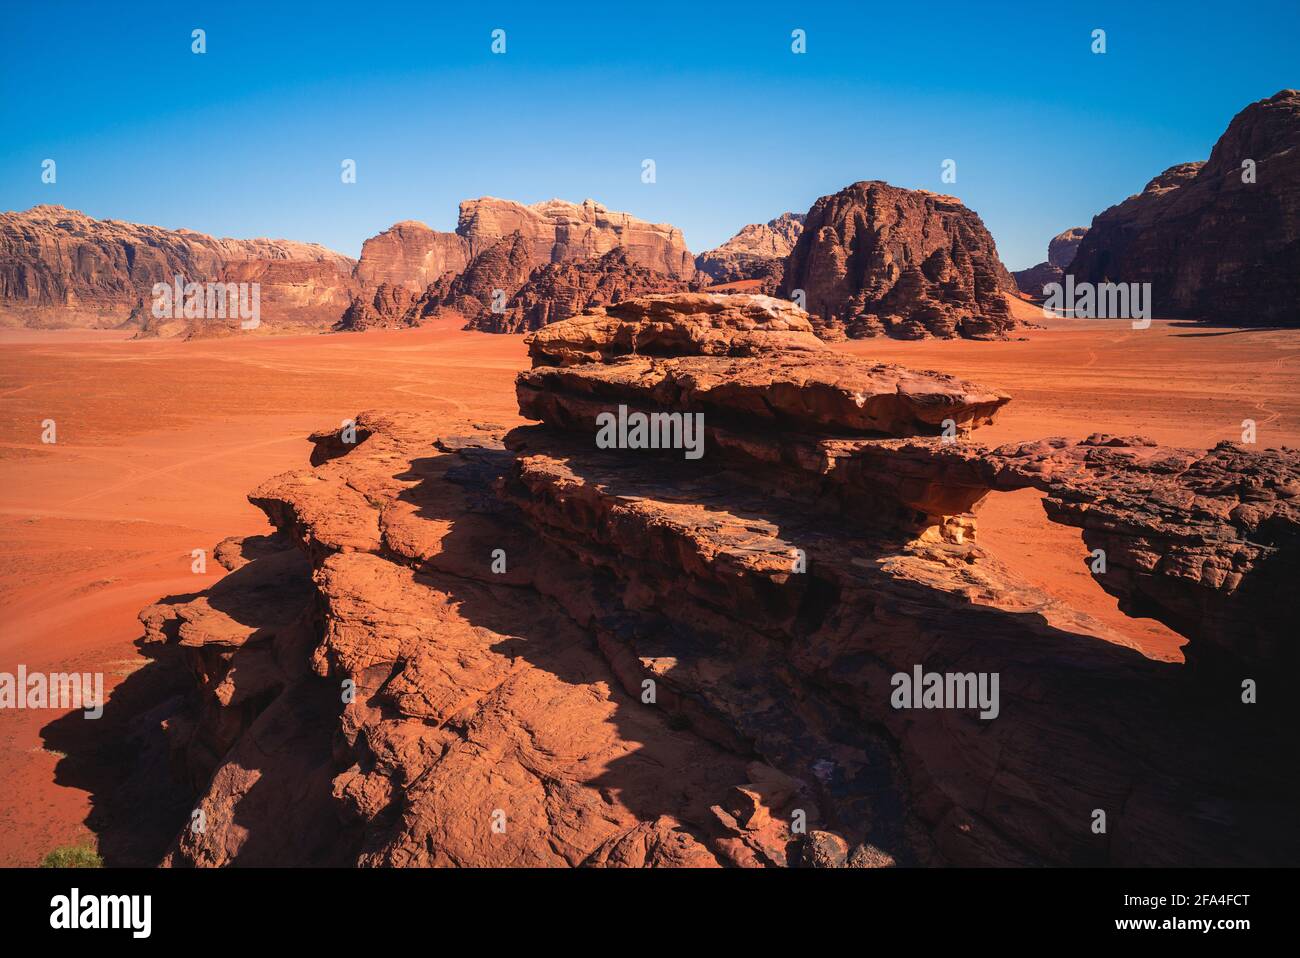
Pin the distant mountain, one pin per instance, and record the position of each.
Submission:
(59, 267)
(1060, 253)
(1218, 240)
(757, 252)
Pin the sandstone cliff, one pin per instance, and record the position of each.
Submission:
(877, 260)
(481, 647)
(59, 267)
(558, 231)
(1213, 245)
(411, 254)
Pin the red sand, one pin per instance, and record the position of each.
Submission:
(159, 442)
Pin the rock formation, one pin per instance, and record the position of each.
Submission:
(1218, 240)
(582, 255)
(877, 260)
(1063, 246)
(493, 275)
(558, 232)
(757, 252)
(411, 254)
(560, 290)
(388, 306)
(1060, 253)
(59, 267)
(550, 294)
(476, 646)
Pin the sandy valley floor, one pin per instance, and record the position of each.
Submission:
(158, 443)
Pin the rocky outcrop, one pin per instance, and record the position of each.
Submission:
(560, 290)
(474, 646)
(412, 255)
(1063, 246)
(388, 306)
(876, 260)
(557, 231)
(1218, 240)
(757, 252)
(491, 278)
(1060, 253)
(693, 324)
(59, 267)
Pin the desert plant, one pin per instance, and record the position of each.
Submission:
(72, 856)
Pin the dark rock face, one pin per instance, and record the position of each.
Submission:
(59, 267)
(558, 291)
(876, 260)
(1034, 279)
(630, 658)
(757, 252)
(1212, 246)
(1060, 253)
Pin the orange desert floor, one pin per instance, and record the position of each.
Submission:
(158, 443)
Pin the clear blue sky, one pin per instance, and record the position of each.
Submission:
(246, 140)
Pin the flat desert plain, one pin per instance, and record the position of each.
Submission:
(158, 443)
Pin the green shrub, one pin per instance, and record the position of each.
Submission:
(73, 856)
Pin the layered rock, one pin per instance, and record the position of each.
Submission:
(559, 291)
(1218, 240)
(757, 252)
(876, 260)
(1060, 253)
(59, 267)
(693, 324)
(521, 648)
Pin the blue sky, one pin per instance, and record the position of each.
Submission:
(247, 139)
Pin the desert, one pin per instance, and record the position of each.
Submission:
(719, 448)
(154, 465)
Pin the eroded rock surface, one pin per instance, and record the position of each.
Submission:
(474, 646)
